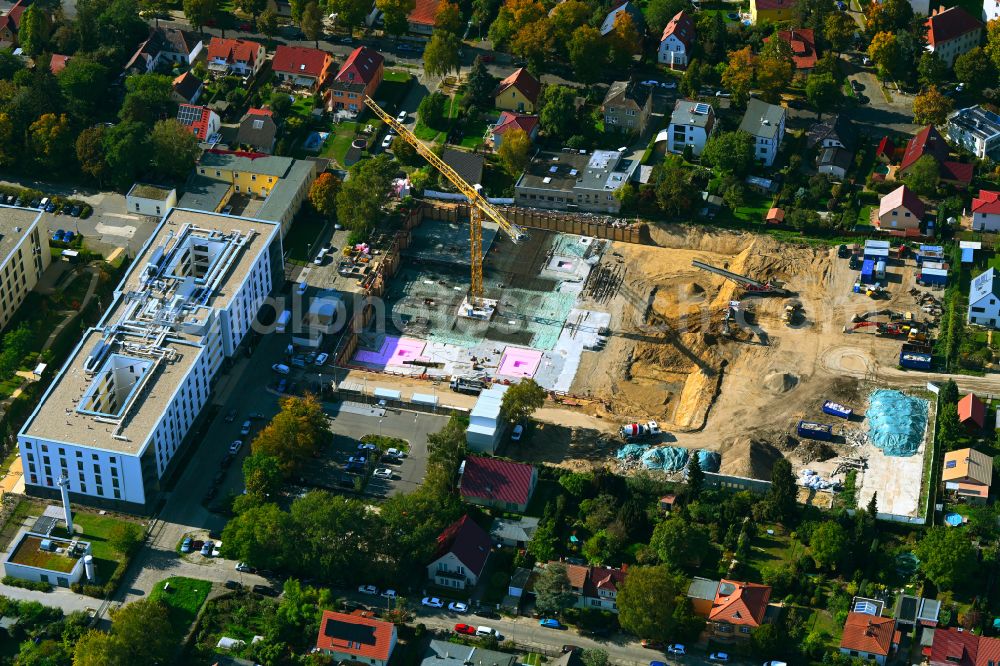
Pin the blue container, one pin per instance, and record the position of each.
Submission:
(811, 430)
(915, 360)
(867, 270)
(835, 409)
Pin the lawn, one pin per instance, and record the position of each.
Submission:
(754, 208)
(769, 550)
(184, 598)
(342, 134)
(473, 133)
(97, 530)
(865, 214)
(395, 86)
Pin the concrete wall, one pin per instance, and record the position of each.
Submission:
(759, 486)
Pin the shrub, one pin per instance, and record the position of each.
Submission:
(37, 586)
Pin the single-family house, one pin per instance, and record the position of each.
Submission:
(202, 121)
(900, 211)
(929, 142)
(301, 66)
(595, 587)
(518, 92)
(446, 653)
(952, 32)
(772, 11)
(834, 131)
(469, 166)
(356, 637)
(868, 637)
(766, 124)
(630, 8)
(738, 609)
(10, 23)
(151, 200)
(514, 532)
(626, 107)
(975, 129)
(677, 40)
(972, 412)
(968, 473)
(235, 57)
(913, 611)
(359, 77)
(984, 300)
(775, 215)
(498, 484)
(461, 554)
(164, 47)
(702, 593)
(257, 130)
(423, 16)
(58, 62)
(835, 162)
(691, 123)
(986, 211)
(187, 88)
(954, 646)
(510, 120)
(802, 41)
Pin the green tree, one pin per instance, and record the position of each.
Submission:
(311, 22)
(252, 7)
(673, 186)
(262, 475)
(199, 13)
(96, 648)
(446, 449)
(267, 23)
(84, 83)
(558, 112)
(931, 107)
(649, 601)
(297, 431)
(923, 175)
(125, 538)
(566, 17)
(534, 42)
(602, 547)
(773, 73)
(553, 593)
(679, 542)
(975, 69)
(323, 193)
(395, 13)
(130, 625)
(659, 13)
(126, 152)
(931, 70)
(260, 536)
(737, 77)
(522, 399)
(479, 85)
(332, 535)
(839, 29)
(767, 640)
(441, 54)
(90, 153)
(823, 92)
(431, 111)
(51, 140)
(783, 492)
(947, 557)
(449, 18)
(588, 53)
(148, 97)
(595, 657)
(829, 544)
(886, 53)
(729, 153)
(513, 16)
(515, 151)
(695, 476)
(33, 33)
(362, 196)
(175, 149)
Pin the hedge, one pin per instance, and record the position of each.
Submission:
(37, 586)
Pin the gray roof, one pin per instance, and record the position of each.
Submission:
(609, 21)
(929, 610)
(444, 653)
(15, 224)
(519, 529)
(976, 121)
(271, 165)
(762, 119)
(834, 126)
(630, 90)
(982, 286)
(262, 138)
(520, 577)
(468, 165)
(836, 157)
(202, 193)
(285, 190)
(703, 588)
(691, 113)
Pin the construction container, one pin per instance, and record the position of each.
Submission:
(879, 270)
(811, 430)
(929, 253)
(868, 271)
(933, 277)
(876, 249)
(835, 409)
(915, 360)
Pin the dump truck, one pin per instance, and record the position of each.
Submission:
(467, 385)
(632, 432)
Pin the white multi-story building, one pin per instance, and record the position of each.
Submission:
(691, 123)
(24, 254)
(975, 129)
(991, 10)
(677, 40)
(766, 124)
(121, 407)
(952, 32)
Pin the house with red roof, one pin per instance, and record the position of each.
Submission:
(187, 88)
(803, 44)
(163, 48)
(421, 20)
(498, 484)
(738, 609)
(972, 412)
(461, 554)
(202, 121)
(953, 647)
(10, 23)
(359, 76)
(986, 211)
(676, 42)
(595, 587)
(236, 57)
(301, 67)
(899, 212)
(929, 142)
(988, 652)
(356, 637)
(510, 120)
(518, 92)
(952, 32)
(869, 637)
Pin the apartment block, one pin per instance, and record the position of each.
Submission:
(24, 255)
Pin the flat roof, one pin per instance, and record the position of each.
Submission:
(204, 193)
(15, 224)
(691, 113)
(554, 171)
(267, 165)
(976, 121)
(29, 553)
(150, 191)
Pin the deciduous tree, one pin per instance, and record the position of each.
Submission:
(267, 23)
(441, 54)
(558, 111)
(738, 75)
(323, 193)
(839, 29)
(175, 149)
(923, 176)
(975, 69)
(362, 196)
(624, 40)
(199, 13)
(84, 83)
(262, 475)
(432, 110)
(828, 544)
(125, 538)
(513, 16)
(260, 536)
(678, 542)
(595, 657)
(148, 98)
(588, 53)
(729, 152)
(449, 18)
(515, 151)
(311, 22)
(823, 92)
(252, 7)
(884, 50)
(565, 19)
(89, 151)
(931, 107)
(648, 602)
(295, 433)
(673, 186)
(773, 74)
(522, 399)
(33, 32)
(659, 13)
(395, 13)
(947, 557)
(350, 13)
(51, 140)
(533, 42)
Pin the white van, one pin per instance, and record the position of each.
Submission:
(321, 257)
(486, 631)
(283, 320)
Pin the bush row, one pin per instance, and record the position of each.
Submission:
(37, 586)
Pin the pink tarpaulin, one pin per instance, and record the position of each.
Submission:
(394, 351)
(517, 362)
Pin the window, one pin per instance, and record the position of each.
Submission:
(744, 630)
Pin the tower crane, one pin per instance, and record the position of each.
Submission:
(478, 208)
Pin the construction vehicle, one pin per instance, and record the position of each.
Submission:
(891, 330)
(478, 205)
(748, 284)
(875, 291)
(632, 432)
(467, 385)
(790, 313)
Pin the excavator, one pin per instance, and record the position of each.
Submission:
(890, 330)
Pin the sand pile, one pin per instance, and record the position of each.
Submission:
(749, 458)
(780, 382)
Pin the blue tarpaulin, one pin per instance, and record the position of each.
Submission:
(896, 422)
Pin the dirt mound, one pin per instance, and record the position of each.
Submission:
(694, 290)
(780, 382)
(749, 458)
(811, 451)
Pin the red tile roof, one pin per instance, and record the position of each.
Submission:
(946, 24)
(58, 63)
(233, 50)
(954, 647)
(682, 27)
(971, 407)
(592, 579)
(803, 43)
(885, 147)
(868, 633)
(523, 81)
(424, 13)
(356, 635)
(509, 120)
(301, 61)
(958, 172)
(364, 63)
(902, 196)
(197, 118)
(989, 651)
(988, 201)
(740, 603)
(467, 541)
(495, 479)
(764, 5)
(259, 112)
(12, 19)
(927, 141)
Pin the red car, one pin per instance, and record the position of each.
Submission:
(465, 629)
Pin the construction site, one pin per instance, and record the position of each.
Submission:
(726, 342)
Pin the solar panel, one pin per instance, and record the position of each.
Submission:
(702, 108)
(44, 525)
(866, 607)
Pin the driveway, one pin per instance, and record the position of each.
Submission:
(880, 114)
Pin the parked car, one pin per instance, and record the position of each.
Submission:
(357, 460)
(651, 645)
(227, 460)
(246, 27)
(383, 473)
(235, 447)
(775, 663)
(75, 211)
(58, 235)
(245, 568)
(677, 649)
(395, 453)
(401, 117)
(366, 446)
(651, 82)
(657, 663)
(387, 141)
(550, 623)
(245, 428)
(300, 288)
(281, 368)
(207, 547)
(669, 85)
(321, 358)
(719, 656)
(488, 613)
(68, 236)
(50, 207)
(34, 203)
(432, 602)
(186, 545)
(232, 585)
(321, 257)
(458, 607)
(264, 590)
(231, 415)
(367, 589)
(466, 629)
(488, 631)
(389, 594)
(515, 435)
(843, 252)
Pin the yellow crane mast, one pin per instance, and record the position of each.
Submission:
(478, 208)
